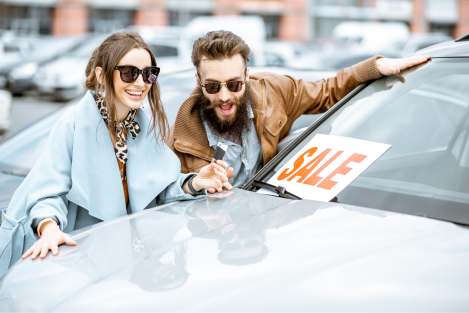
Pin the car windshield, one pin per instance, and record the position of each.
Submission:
(425, 119)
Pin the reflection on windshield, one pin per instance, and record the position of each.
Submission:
(425, 120)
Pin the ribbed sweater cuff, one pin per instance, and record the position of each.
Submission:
(366, 70)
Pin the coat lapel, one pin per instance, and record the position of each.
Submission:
(95, 174)
(151, 166)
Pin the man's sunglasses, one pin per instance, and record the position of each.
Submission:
(213, 87)
(129, 73)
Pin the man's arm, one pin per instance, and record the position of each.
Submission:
(302, 97)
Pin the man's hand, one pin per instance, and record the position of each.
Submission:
(51, 238)
(387, 66)
(213, 177)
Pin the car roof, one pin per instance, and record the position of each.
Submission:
(453, 48)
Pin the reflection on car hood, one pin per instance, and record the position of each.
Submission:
(251, 252)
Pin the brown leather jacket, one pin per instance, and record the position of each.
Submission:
(277, 101)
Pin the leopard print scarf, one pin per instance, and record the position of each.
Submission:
(132, 127)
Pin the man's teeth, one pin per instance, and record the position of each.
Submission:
(226, 106)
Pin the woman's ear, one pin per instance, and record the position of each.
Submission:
(98, 71)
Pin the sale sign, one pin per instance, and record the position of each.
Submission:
(326, 165)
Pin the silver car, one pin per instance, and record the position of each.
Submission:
(395, 239)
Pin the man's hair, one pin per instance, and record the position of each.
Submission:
(218, 45)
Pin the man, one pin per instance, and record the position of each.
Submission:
(250, 114)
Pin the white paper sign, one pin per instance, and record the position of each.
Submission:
(326, 165)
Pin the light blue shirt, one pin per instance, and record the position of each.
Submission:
(245, 158)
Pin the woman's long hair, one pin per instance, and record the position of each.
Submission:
(107, 56)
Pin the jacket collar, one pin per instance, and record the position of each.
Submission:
(189, 134)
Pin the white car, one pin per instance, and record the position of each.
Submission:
(5, 104)
(64, 78)
(394, 239)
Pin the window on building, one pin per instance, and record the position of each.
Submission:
(104, 20)
(26, 20)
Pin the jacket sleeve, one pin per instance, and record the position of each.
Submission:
(302, 97)
(41, 194)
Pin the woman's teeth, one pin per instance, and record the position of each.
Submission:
(134, 93)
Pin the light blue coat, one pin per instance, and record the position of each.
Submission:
(77, 179)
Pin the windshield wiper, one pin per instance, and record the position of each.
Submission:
(279, 190)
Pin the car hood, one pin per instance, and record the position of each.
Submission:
(243, 251)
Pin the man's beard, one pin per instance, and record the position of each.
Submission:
(233, 127)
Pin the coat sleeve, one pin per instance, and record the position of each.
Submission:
(41, 194)
(302, 97)
(174, 191)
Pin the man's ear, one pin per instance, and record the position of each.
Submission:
(98, 71)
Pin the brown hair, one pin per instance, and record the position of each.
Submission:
(219, 44)
(107, 56)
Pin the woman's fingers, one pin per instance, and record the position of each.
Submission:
(36, 252)
(69, 241)
(54, 249)
(44, 251)
(229, 172)
(227, 186)
(27, 253)
(43, 245)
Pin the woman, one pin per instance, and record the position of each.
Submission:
(104, 159)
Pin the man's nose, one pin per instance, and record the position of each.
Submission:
(224, 93)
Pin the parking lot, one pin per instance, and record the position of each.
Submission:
(27, 110)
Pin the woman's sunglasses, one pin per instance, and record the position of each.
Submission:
(213, 87)
(129, 73)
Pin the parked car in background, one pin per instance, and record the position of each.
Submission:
(250, 28)
(284, 53)
(20, 75)
(395, 239)
(420, 41)
(5, 108)
(372, 36)
(63, 79)
(12, 51)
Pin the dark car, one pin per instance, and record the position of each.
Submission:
(394, 239)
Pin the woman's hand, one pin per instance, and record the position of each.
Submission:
(51, 238)
(213, 177)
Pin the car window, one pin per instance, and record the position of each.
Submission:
(425, 119)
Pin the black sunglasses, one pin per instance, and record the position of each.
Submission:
(213, 87)
(129, 73)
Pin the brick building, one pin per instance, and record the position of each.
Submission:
(298, 20)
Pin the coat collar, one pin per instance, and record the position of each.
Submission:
(97, 186)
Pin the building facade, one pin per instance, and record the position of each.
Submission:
(295, 20)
